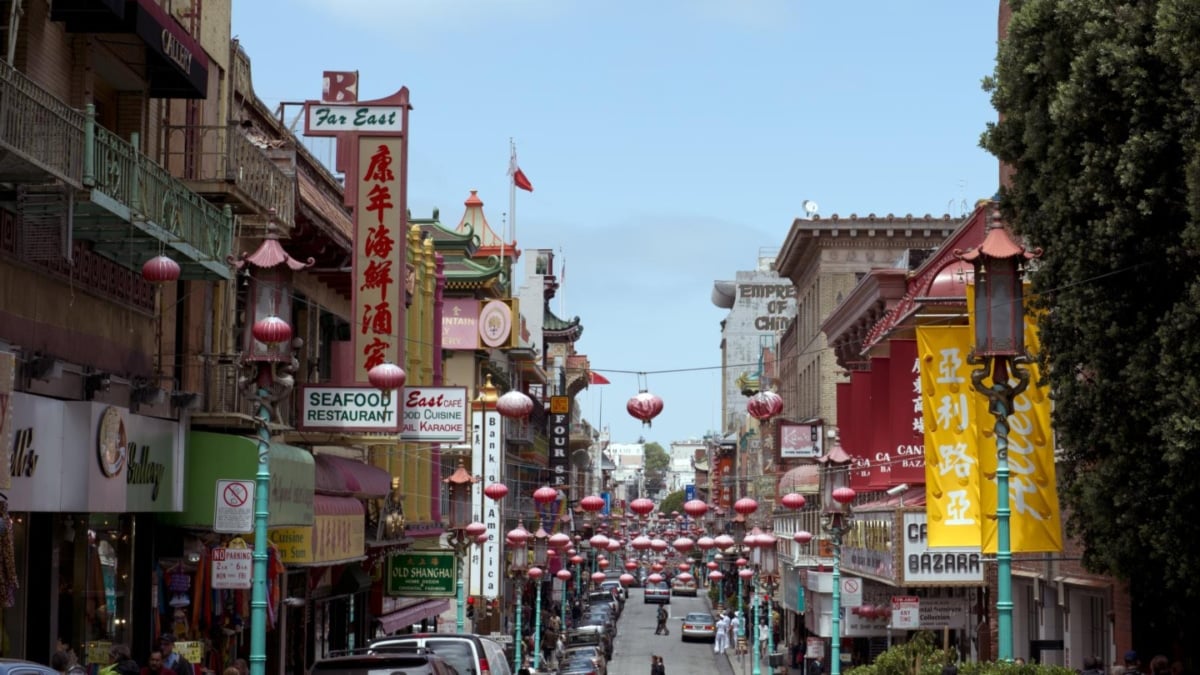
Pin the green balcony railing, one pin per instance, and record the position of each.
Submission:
(224, 154)
(156, 201)
(44, 131)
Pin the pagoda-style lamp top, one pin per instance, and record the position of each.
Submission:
(541, 540)
(999, 296)
(835, 477)
(269, 296)
(487, 392)
(460, 483)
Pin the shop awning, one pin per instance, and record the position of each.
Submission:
(328, 505)
(211, 457)
(914, 496)
(412, 614)
(805, 479)
(343, 476)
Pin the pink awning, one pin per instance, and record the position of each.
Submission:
(406, 617)
(340, 475)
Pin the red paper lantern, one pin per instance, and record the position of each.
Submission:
(705, 543)
(559, 541)
(683, 544)
(716, 575)
(597, 577)
(723, 541)
(271, 330)
(496, 491)
(656, 567)
(696, 508)
(641, 506)
(535, 573)
(545, 495)
(802, 537)
(654, 578)
(844, 495)
(631, 565)
(576, 560)
(626, 579)
(591, 503)
(603, 564)
(683, 567)
(161, 269)
(745, 506)
(764, 405)
(387, 377)
(514, 405)
(746, 573)
(599, 541)
(793, 500)
(711, 564)
(641, 543)
(658, 545)
(564, 575)
(475, 529)
(518, 535)
(685, 577)
(644, 406)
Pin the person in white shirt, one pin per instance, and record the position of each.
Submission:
(721, 643)
(735, 629)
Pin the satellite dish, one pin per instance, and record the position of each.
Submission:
(810, 207)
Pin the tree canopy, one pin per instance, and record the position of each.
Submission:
(1099, 122)
(672, 502)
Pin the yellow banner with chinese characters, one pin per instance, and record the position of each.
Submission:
(952, 502)
(1035, 524)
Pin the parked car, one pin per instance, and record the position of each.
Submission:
(579, 666)
(657, 593)
(20, 667)
(593, 652)
(615, 588)
(683, 587)
(698, 625)
(589, 635)
(411, 662)
(467, 654)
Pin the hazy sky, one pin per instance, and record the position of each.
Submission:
(668, 141)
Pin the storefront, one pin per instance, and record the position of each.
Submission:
(84, 477)
(190, 603)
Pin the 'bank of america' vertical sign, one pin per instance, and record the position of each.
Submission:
(559, 434)
(486, 432)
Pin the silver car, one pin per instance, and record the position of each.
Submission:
(698, 626)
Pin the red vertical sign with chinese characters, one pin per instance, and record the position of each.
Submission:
(378, 256)
(904, 408)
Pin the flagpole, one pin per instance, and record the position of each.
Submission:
(512, 191)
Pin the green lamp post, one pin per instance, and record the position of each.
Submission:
(836, 518)
(999, 351)
(518, 566)
(463, 532)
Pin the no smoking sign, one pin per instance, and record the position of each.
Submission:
(234, 507)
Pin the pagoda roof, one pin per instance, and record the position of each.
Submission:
(458, 248)
(555, 329)
(490, 243)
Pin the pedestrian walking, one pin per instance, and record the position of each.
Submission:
(721, 642)
(656, 666)
(661, 628)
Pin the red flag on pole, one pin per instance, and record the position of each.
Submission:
(597, 378)
(518, 176)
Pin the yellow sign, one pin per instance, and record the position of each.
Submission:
(192, 650)
(560, 405)
(330, 539)
(951, 452)
(98, 652)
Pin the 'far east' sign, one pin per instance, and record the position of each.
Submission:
(349, 409)
(424, 574)
(325, 117)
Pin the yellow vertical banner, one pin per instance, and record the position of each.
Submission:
(1035, 523)
(952, 500)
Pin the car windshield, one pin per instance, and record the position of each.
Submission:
(457, 653)
(698, 617)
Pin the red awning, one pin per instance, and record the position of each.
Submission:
(342, 476)
(325, 505)
(406, 617)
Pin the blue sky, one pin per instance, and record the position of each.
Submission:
(667, 141)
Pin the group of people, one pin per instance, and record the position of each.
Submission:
(163, 660)
(729, 627)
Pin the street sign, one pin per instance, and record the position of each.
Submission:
(502, 638)
(852, 588)
(425, 574)
(814, 648)
(232, 567)
(906, 612)
(234, 507)
(689, 491)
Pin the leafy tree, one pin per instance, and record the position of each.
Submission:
(1098, 105)
(672, 502)
(656, 462)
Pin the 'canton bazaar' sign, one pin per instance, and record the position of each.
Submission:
(941, 566)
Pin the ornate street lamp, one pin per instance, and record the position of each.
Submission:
(518, 544)
(464, 533)
(1000, 349)
(768, 569)
(267, 378)
(836, 495)
(541, 542)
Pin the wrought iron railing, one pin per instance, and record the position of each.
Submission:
(45, 131)
(117, 169)
(226, 154)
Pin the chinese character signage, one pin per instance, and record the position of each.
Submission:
(559, 435)
(904, 408)
(951, 452)
(379, 256)
(422, 574)
(332, 538)
(434, 414)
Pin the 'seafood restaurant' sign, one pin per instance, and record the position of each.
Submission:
(349, 409)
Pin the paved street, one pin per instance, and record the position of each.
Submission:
(636, 641)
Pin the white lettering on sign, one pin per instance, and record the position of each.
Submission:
(232, 567)
(176, 51)
(486, 430)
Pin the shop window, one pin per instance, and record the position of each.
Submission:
(94, 579)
